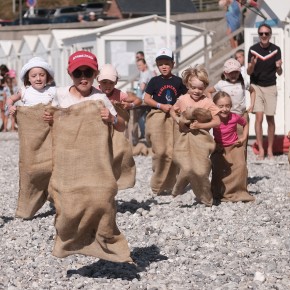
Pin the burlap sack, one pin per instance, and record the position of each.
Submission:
(161, 133)
(123, 163)
(229, 175)
(83, 186)
(240, 130)
(35, 159)
(191, 155)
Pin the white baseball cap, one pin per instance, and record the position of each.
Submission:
(164, 53)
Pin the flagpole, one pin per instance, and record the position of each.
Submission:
(168, 23)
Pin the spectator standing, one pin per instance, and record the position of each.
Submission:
(92, 16)
(144, 78)
(3, 97)
(12, 89)
(233, 18)
(3, 94)
(140, 54)
(264, 62)
(81, 18)
(240, 57)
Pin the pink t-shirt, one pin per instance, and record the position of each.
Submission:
(226, 132)
(185, 101)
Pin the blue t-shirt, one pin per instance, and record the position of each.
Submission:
(166, 91)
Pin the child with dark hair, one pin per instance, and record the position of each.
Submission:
(161, 94)
(37, 76)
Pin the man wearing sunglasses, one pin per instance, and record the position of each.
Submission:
(264, 61)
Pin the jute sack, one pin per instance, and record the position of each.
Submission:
(229, 174)
(191, 155)
(83, 186)
(240, 130)
(123, 163)
(35, 159)
(161, 133)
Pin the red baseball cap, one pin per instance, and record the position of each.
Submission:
(80, 58)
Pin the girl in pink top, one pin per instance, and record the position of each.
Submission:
(226, 133)
(229, 169)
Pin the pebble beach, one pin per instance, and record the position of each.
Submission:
(176, 243)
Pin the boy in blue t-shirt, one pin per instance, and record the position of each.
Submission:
(161, 131)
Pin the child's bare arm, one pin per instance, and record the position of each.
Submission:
(244, 137)
(213, 123)
(209, 91)
(11, 101)
(131, 102)
(117, 121)
(174, 115)
(152, 103)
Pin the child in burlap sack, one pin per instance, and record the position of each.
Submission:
(108, 78)
(83, 69)
(229, 169)
(124, 164)
(37, 76)
(233, 83)
(195, 144)
(35, 157)
(160, 94)
(83, 186)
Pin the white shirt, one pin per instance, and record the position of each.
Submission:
(237, 93)
(65, 99)
(31, 96)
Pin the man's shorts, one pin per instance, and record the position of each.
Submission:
(266, 99)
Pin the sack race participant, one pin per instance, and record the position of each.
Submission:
(164, 170)
(229, 169)
(124, 164)
(83, 186)
(191, 155)
(194, 146)
(160, 94)
(35, 160)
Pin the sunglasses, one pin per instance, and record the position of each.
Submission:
(87, 73)
(264, 33)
